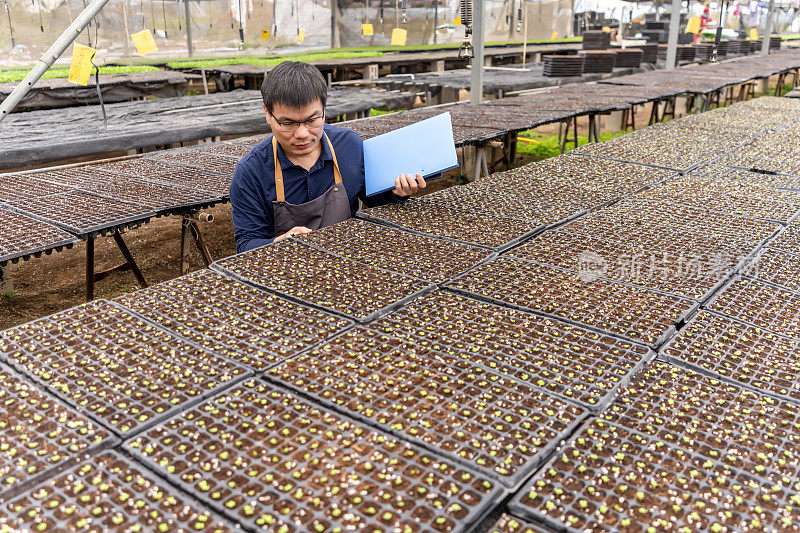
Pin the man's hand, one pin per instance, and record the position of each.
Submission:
(297, 230)
(406, 185)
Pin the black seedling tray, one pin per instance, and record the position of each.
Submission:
(233, 320)
(199, 158)
(421, 257)
(673, 435)
(788, 240)
(529, 287)
(498, 426)
(740, 353)
(114, 367)
(558, 358)
(155, 171)
(83, 214)
(776, 267)
(21, 186)
(666, 268)
(108, 492)
(112, 185)
(293, 270)
(24, 236)
(39, 433)
(507, 232)
(759, 303)
(266, 458)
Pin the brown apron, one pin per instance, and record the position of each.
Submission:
(329, 209)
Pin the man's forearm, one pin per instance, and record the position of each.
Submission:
(251, 244)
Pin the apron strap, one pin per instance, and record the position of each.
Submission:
(278, 173)
(337, 176)
(279, 192)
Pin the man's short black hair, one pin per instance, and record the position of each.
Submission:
(294, 84)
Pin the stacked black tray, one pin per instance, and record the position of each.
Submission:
(596, 40)
(599, 60)
(702, 51)
(684, 52)
(563, 66)
(629, 58)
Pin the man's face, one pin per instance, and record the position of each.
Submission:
(296, 140)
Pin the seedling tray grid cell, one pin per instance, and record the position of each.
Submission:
(199, 158)
(218, 184)
(670, 266)
(671, 145)
(108, 492)
(228, 149)
(778, 153)
(38, 433)
(583, 172)
(83, 214)
(420, 257)
(738, 352)
(727, 196)
(311, 276)
(547, 204)
(234, 320)
(761, 304)
(677, 449)
(22, 236)
(776, 267)
(117, 186)
(749, 178)
(502, 428)
(511, 524)
(788, 240)
(436, 220)
(719, 239)
(20, 186)
(559, 358)
(113, 366)
(636, 314)
(269, 459)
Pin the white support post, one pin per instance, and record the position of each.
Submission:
(476, 79)
(49, 57)
(767, 28)
(674, 28)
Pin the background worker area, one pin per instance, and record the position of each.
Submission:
(308, 174)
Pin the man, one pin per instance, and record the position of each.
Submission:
(308, 174)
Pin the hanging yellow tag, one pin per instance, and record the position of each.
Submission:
(144, 42)
(693, 26)
(457, 22)
(366, 29)
(554, 36)
(264, 35)
(753, 34)
(399, 37)
(80, 68)
(301, 36)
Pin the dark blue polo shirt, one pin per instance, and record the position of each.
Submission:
(253, 185)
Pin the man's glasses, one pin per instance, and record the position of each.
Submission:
(290, 126)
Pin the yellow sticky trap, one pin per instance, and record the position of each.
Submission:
(399, 37)
(693, 26)
(80, 68)
(457, 22)
(554, 36)
(144, 42)
(753, 34)
(366, 29)
(264, 35)
(301, 36)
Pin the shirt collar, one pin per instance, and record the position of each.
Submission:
(325, 155)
